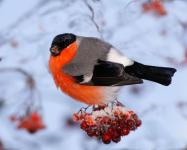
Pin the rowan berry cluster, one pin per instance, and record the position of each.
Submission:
(154, 6)
(108, 123)
(32, 122)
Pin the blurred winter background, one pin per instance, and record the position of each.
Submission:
(26, 31)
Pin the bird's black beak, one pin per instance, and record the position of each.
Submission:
(54, 50)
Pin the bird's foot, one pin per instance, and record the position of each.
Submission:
(84, 109)
(117, 103)
(99, 107)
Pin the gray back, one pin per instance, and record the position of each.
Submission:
(89, 51)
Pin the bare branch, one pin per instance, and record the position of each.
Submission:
(92, 17)
(29, 104)
(29, 79)
(182, 105)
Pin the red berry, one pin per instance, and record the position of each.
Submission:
(116, 137)
(76, 117)
(131, 124)
(89, 120)
(97, 133)
(125, 131)
(135, 117)
(90, 133)
(35, 117)
(116, 113)
(118, 129)
(114, 123)
(110, 131)
(146, 7)
(108, 120)
(131, 112)
(104, 120)
(106, 138)
(83, 125)
(138, 123)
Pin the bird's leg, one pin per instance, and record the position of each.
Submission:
(99, 107)
(116, 103)
(119, 103)
(95, 107)
(113, 103)
(87, 107)
(83, 109)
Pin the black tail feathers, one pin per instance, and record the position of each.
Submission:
(162, 75)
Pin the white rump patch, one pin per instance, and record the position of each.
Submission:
(117, 57)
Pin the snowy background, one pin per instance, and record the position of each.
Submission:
(26, 31)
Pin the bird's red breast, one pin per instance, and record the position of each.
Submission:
(86, 94)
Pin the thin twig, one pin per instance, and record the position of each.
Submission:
(92, 17)
(29, 79)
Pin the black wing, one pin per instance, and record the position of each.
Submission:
(109, 74)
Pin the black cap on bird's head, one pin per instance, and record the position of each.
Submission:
(60, 42)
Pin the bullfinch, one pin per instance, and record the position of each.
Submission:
(92, 71)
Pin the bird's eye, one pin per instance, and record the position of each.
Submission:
(55, 50)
